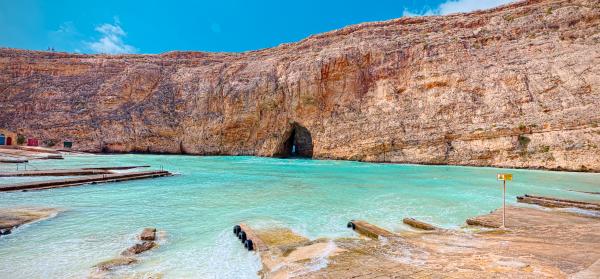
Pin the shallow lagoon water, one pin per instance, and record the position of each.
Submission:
(198, 207)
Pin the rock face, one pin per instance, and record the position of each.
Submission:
(515, 86)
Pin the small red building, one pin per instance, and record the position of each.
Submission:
(32, 142)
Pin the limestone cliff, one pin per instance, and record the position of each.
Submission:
(514, 86)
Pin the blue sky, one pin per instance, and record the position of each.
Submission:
(114, 26)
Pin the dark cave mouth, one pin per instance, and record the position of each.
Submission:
(298, 144)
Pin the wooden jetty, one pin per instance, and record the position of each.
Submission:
(91, 179)
(55, 172)
(116, 168)
(369, 230)
(556, 202)
(13, 160)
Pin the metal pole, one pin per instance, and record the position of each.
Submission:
(504, 204)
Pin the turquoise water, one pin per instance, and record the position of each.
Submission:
(198, 207)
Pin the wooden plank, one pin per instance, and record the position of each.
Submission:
(54, 172)
(586, 192)
(419, 224)
(370, 230)
(13, 161)
(116, 168)
(562, 200)
(560, 203)
(92, 179)
(259, 244)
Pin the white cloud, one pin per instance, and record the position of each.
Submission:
(65, 38)
(424, 13)
(459, 6)
(111, 41)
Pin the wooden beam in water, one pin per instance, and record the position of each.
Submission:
(13, 161)
(92, 179)
(419, 224)
(561, 200)
(367, 229)
(555, 202)
(54, 172)
(586, 192)
(116, 168)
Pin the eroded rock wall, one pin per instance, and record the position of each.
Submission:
(516, 86)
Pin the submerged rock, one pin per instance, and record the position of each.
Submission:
(116, 262)
(148, 234)
(139, 248)
(128, 257)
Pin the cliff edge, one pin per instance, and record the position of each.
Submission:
(514, 86)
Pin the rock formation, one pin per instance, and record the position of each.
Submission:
(514, 86)
(11, 218)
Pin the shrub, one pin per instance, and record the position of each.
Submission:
(49, 143)
(20, 139)
(524, 141)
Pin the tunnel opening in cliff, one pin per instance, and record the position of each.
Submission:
(298, 144)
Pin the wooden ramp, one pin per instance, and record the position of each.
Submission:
(55, 172)
(556, 202)
(92, 179)
(367, 229)
(257, 244)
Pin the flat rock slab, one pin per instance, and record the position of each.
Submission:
(534, 217)
(539, 243)
(14, 217)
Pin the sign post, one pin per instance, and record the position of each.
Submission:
(504, 177)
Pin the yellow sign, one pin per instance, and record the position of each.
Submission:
(505, 176)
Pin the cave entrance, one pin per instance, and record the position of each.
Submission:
(298, 144)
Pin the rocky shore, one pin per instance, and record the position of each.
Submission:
(537, 243)
(515, 86)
